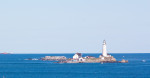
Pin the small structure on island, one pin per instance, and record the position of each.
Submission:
(77, 56)
(105, 56)
(81, 59)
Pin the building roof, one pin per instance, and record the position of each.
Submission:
(79, 54)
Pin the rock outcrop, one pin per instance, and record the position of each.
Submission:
(54, 58)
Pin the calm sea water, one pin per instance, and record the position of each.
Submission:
(14, 66)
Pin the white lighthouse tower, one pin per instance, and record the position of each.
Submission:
(105, 56)
(104, 50)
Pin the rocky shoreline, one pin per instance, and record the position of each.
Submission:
(90, 59)
(54, 58)
(86, 59)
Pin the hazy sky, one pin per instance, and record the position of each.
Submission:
(69, 26)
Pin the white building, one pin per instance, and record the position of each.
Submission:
(81, 59)
(77, 56)
(104, 50)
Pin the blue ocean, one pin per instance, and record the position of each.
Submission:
(14, 66)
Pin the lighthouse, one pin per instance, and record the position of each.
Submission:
(104, 50)
(105, 56)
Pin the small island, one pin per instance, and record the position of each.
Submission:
(77, 58)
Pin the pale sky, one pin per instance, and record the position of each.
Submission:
(70, 26)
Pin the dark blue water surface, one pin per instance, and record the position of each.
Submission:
(14, 66)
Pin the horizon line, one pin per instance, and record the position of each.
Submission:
(74, 53)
